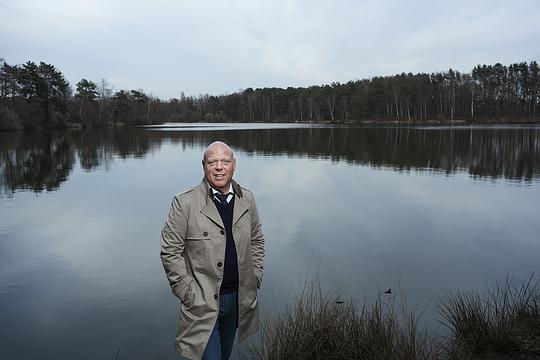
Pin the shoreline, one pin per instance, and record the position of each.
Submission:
(436, 123)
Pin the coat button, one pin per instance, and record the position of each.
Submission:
(219, 264)
(222, 232)
(215, 296)
(205, 233)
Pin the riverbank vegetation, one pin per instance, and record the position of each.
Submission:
(38, 96)
(501, 323)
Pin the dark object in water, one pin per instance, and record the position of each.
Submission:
(389, 291)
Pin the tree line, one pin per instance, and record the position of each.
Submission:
(38, 96)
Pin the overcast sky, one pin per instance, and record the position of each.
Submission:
(217, 47)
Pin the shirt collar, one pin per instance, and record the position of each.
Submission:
(231, 190)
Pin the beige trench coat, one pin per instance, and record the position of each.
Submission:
(192, 252)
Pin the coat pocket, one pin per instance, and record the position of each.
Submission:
(184, 291)
(193, 238)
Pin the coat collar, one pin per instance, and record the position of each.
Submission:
(210, 210)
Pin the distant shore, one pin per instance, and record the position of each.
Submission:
(37, 96)
(456, 122)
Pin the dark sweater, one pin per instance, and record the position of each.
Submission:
(230, 270)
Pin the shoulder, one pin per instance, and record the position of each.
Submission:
(189, 195)
(185, 194)
(245, 193)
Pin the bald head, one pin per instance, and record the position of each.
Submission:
(217, 145)
(219, 165)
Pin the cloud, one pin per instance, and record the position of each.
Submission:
(218, 47)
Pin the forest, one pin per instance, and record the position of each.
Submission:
(37, 95)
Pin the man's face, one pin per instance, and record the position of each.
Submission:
(219, 165)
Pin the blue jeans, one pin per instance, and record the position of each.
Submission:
(221, 340)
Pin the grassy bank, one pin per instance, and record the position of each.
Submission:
(501, 323)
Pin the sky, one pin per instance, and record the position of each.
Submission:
(221, 47)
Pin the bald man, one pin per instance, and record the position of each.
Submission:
(212, 249)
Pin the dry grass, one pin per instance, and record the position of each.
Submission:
(317, 326)
(501, 323)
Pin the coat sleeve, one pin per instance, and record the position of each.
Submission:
(257, 243)
(172, 251)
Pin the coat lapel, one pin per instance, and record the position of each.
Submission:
(240, 208)
(210, 210)
(240, 204)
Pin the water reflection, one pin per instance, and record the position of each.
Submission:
(80, 274)
(43, 161)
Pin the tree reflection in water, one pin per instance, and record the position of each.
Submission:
(44, 160)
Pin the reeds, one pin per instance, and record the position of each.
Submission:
(501, 323)
(318, 326)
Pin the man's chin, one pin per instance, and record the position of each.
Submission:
(220, 185)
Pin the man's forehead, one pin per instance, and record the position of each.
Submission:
(212, 156)
(219, 150)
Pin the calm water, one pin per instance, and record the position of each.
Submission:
(427, 210)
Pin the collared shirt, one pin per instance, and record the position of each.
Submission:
(230, 192)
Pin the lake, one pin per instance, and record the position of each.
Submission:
(421, 210)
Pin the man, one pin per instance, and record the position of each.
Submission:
(212, 249)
